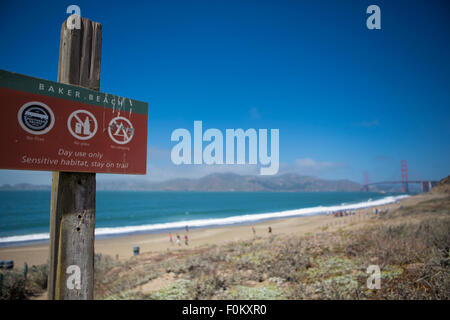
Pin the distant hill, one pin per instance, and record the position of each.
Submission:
(219, 182)
(23, 187)
(234, 182)
(443, 186)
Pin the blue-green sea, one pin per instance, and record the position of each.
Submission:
(25, 215)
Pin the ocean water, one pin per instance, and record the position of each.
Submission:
(25, 216)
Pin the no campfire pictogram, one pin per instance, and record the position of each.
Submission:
(82, 124)
(120, 130)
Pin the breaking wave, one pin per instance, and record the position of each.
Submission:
(202, 223)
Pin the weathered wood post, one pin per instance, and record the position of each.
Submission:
(72, 217)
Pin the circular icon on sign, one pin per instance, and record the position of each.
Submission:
(82, 124)
(36, 118)
(120, 130)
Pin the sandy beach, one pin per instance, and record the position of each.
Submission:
(123, 246)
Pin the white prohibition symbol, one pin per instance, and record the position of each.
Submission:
(36, 118)
(120, 127)
(85, 124)
(74, 280)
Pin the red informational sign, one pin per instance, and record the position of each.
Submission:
(57, 127)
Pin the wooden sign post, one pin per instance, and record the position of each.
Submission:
(70, 128)
(72, 211)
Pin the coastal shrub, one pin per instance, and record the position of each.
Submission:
(126, 295)
(103, 265)
(288, 260)
(403, 243)
(131, 280)
(413, 256)
(175, 266)
(112, 277)
(13, 286)
(435, 277)
(198, 265)
(265, 292)
(434, 207)
(206, 287)
(288, 269)
(178, 290)
(106, 272)
(16, 287)
(37, 279)
(412, 251)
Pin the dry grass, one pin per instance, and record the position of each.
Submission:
(411, 246)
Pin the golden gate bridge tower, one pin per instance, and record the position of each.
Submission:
(404, 171)
(366, 181)
(425, 184)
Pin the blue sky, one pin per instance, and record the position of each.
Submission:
(345, 99)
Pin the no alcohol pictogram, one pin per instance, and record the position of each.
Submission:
(120, 130)
(82, 124)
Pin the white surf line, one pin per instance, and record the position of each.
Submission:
(218, 221)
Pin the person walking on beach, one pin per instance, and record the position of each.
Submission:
(186, 239)
(270, 230)
(187, 228)
(170, 238)
(178, 240)
(254, 232)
